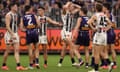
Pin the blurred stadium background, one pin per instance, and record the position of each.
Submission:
(53, 10)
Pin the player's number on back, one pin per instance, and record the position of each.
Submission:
(29, 20)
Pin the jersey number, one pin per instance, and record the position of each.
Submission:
(29, 20)
(102, 21)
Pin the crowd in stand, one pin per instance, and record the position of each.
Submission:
(53, 8)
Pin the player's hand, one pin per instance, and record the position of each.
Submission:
(74, 35)
(60, 24)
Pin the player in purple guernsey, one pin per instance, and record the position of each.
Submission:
(83, 38)
(29, 24)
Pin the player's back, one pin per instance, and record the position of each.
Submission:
(100, 20)
(29, 21)
(83, 25)
(30, 24)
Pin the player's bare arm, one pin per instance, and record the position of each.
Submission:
(78, 24)
(7, 22)
(22, 26)
(77, 8)
(91, 21)
(38, 22)
(53, 22)
(109, 24)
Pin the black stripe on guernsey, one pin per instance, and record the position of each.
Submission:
(42, 29)
(70, 25)
(67, 22)
(13, 23)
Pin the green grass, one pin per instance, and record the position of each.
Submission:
(52, 65)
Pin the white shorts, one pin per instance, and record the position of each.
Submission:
(9, 40)
(43, 39)
(100, 38)
(66, 34)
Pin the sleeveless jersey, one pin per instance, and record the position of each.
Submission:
(29, 21)
(67, 22)
(101, 21)
(83, 25)
(13, 22)
(43, 28)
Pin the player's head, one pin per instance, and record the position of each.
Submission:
(13, 6)
(98, 1)
(41, 10)
(71, 7)
(83, 11)
(106, 8)
(99, 7)
(28, 8)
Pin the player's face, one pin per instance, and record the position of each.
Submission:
(15, 8)
(71, 7)
(40, 11)
(104, 9)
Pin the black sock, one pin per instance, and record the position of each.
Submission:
(45, 62)
(61, 60)
(80, 59)
(72, 60)
(18, 64)
(37, 61)
(96, 67)
(114, 62)
(92, 61)
(4, 64)
(105, 62)
(86, 64)
(33, 61)
(31, 64)
(108, 60)
(102, 62)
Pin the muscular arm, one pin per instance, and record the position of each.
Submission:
(91, 21)
(7, 22)
(53, 22)
(78, 24)
(77, 8)
(37, 20)
(21, 25)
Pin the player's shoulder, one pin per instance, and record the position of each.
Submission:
(8, 15)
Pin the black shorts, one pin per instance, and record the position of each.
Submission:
(83, 39)
(32, 36)
(111, 36)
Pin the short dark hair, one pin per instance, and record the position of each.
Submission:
(84, 10)
(99, 1)
(99, 7)
(12, 4)
(27, 8)
(41, 7)
(108, 6)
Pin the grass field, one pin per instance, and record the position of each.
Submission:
(52, 65)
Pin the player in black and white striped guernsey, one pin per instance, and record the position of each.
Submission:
(43, 20)
(12, 37)
(69, 9)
